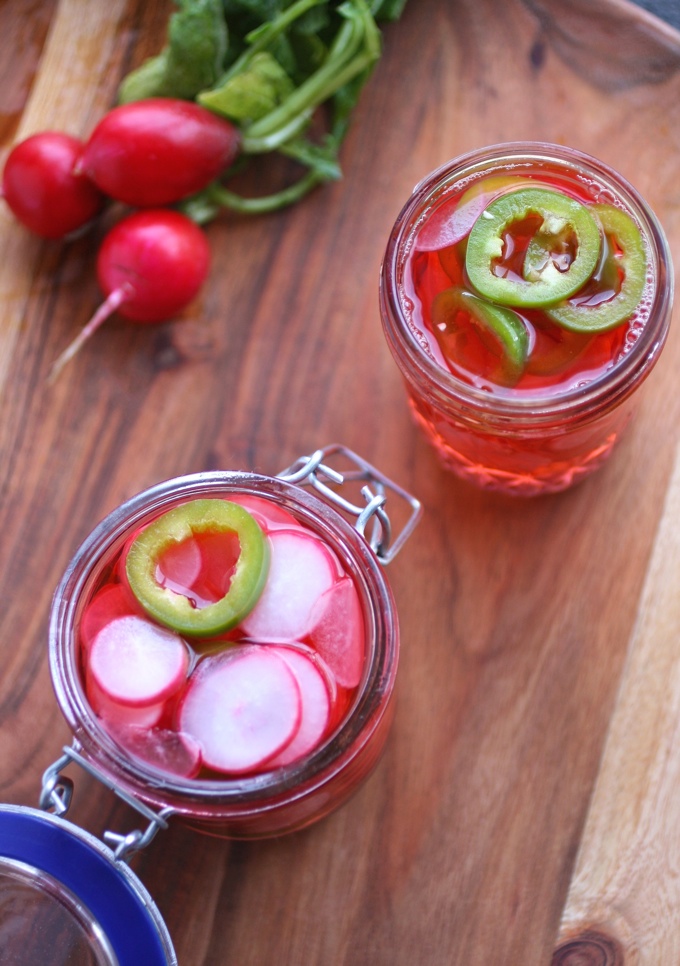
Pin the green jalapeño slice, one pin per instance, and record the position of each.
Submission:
(501, 329)
(589, 312)
(562, 218)
(184, 523)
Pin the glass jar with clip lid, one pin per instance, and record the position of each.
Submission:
(224, 647)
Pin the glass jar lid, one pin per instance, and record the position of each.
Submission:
(66, 901)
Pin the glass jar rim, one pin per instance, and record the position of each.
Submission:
(611, 387)
(378, 606)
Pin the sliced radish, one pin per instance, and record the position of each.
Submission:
(447, 226)
(112, 601)
(301, 569)
(138, 663)
(315, 702)
(163, 748)
(338, 632)
(243, 707)
(268, 514)
(118, 715)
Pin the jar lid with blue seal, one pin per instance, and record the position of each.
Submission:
(66, 899)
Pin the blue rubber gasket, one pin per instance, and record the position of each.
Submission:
(110, 890)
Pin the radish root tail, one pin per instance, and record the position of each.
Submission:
(106, 309)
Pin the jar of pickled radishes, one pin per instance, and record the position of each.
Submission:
(224, 645)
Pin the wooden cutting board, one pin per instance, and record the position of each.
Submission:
(526, 806)
(624, 892)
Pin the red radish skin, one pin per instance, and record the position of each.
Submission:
(157, 259)
(156, 151)
(243, 707)
(150, 266)
(137, 663)
(300, 570)
(315, 705)
(41, 189)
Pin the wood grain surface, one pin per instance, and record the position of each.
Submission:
(625, 887)
(533, 632)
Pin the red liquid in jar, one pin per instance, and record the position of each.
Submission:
(327, 629)
(559, 360)
(545, 424)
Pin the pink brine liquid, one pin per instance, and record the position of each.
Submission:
(261, 696)
(558, 359)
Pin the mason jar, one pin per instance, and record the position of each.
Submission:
(544, 432)
(285, 798)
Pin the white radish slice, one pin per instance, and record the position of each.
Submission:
(167, 750)
(112, 601)
(338, 632)
(301, 569)
(315, 702)
(268, 514)
(242, 707)
(137, 663)
(446, 227)
(117, 715)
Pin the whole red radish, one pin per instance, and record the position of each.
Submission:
(150, 266)
(156, 151)
(157, 259)
(43, 191)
